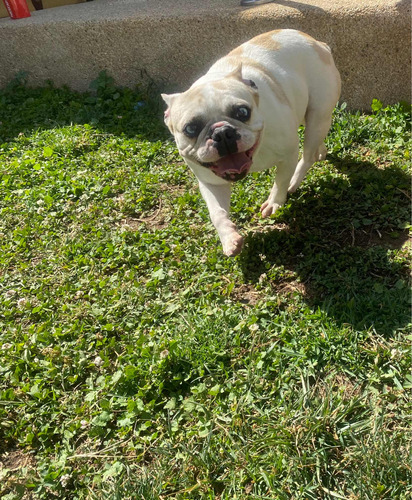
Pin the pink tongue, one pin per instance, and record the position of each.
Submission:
(233, 162)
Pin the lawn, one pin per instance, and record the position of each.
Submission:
(138, 362)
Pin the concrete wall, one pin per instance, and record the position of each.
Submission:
(174, 41)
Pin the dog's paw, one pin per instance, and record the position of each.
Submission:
(268, 208)
(294, 184)
(233, 244)
(321, 153)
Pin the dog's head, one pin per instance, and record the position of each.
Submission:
(216, 124)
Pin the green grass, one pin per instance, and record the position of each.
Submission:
(136, 361)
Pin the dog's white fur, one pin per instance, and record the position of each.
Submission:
(286, 78)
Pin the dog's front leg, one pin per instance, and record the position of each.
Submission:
(217, 198)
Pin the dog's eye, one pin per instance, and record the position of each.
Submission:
(242, 113)
(192, 129)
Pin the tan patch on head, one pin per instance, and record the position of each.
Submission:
(238, 51)
(267, 41)
(218, 85)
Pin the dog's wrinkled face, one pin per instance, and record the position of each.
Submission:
(217, 125)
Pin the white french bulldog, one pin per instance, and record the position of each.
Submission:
(244, 114)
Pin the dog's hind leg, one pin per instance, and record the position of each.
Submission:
(284, 172)
(314, 149)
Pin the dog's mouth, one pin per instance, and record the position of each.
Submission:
(233, 167)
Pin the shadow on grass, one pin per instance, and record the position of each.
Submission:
(340, 239)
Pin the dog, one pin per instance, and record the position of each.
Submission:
(243, 116)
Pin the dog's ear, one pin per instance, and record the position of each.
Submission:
(250, 83)
(237, 73)
(169, 99)
(253, 89)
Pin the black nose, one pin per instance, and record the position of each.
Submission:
(224, 133)
(225, 138)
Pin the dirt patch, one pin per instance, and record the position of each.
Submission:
(16, 460)
(292, 287)
(16, 468)
(134, 224)
(338, 383)
(175, 189)
(156, 220)
(159, 218)
(246, 294)
(261, 225)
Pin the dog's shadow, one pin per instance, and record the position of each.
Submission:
(339, 244)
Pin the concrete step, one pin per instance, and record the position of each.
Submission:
(172, 42)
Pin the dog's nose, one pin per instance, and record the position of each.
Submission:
(225, 138)
(224, 133)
